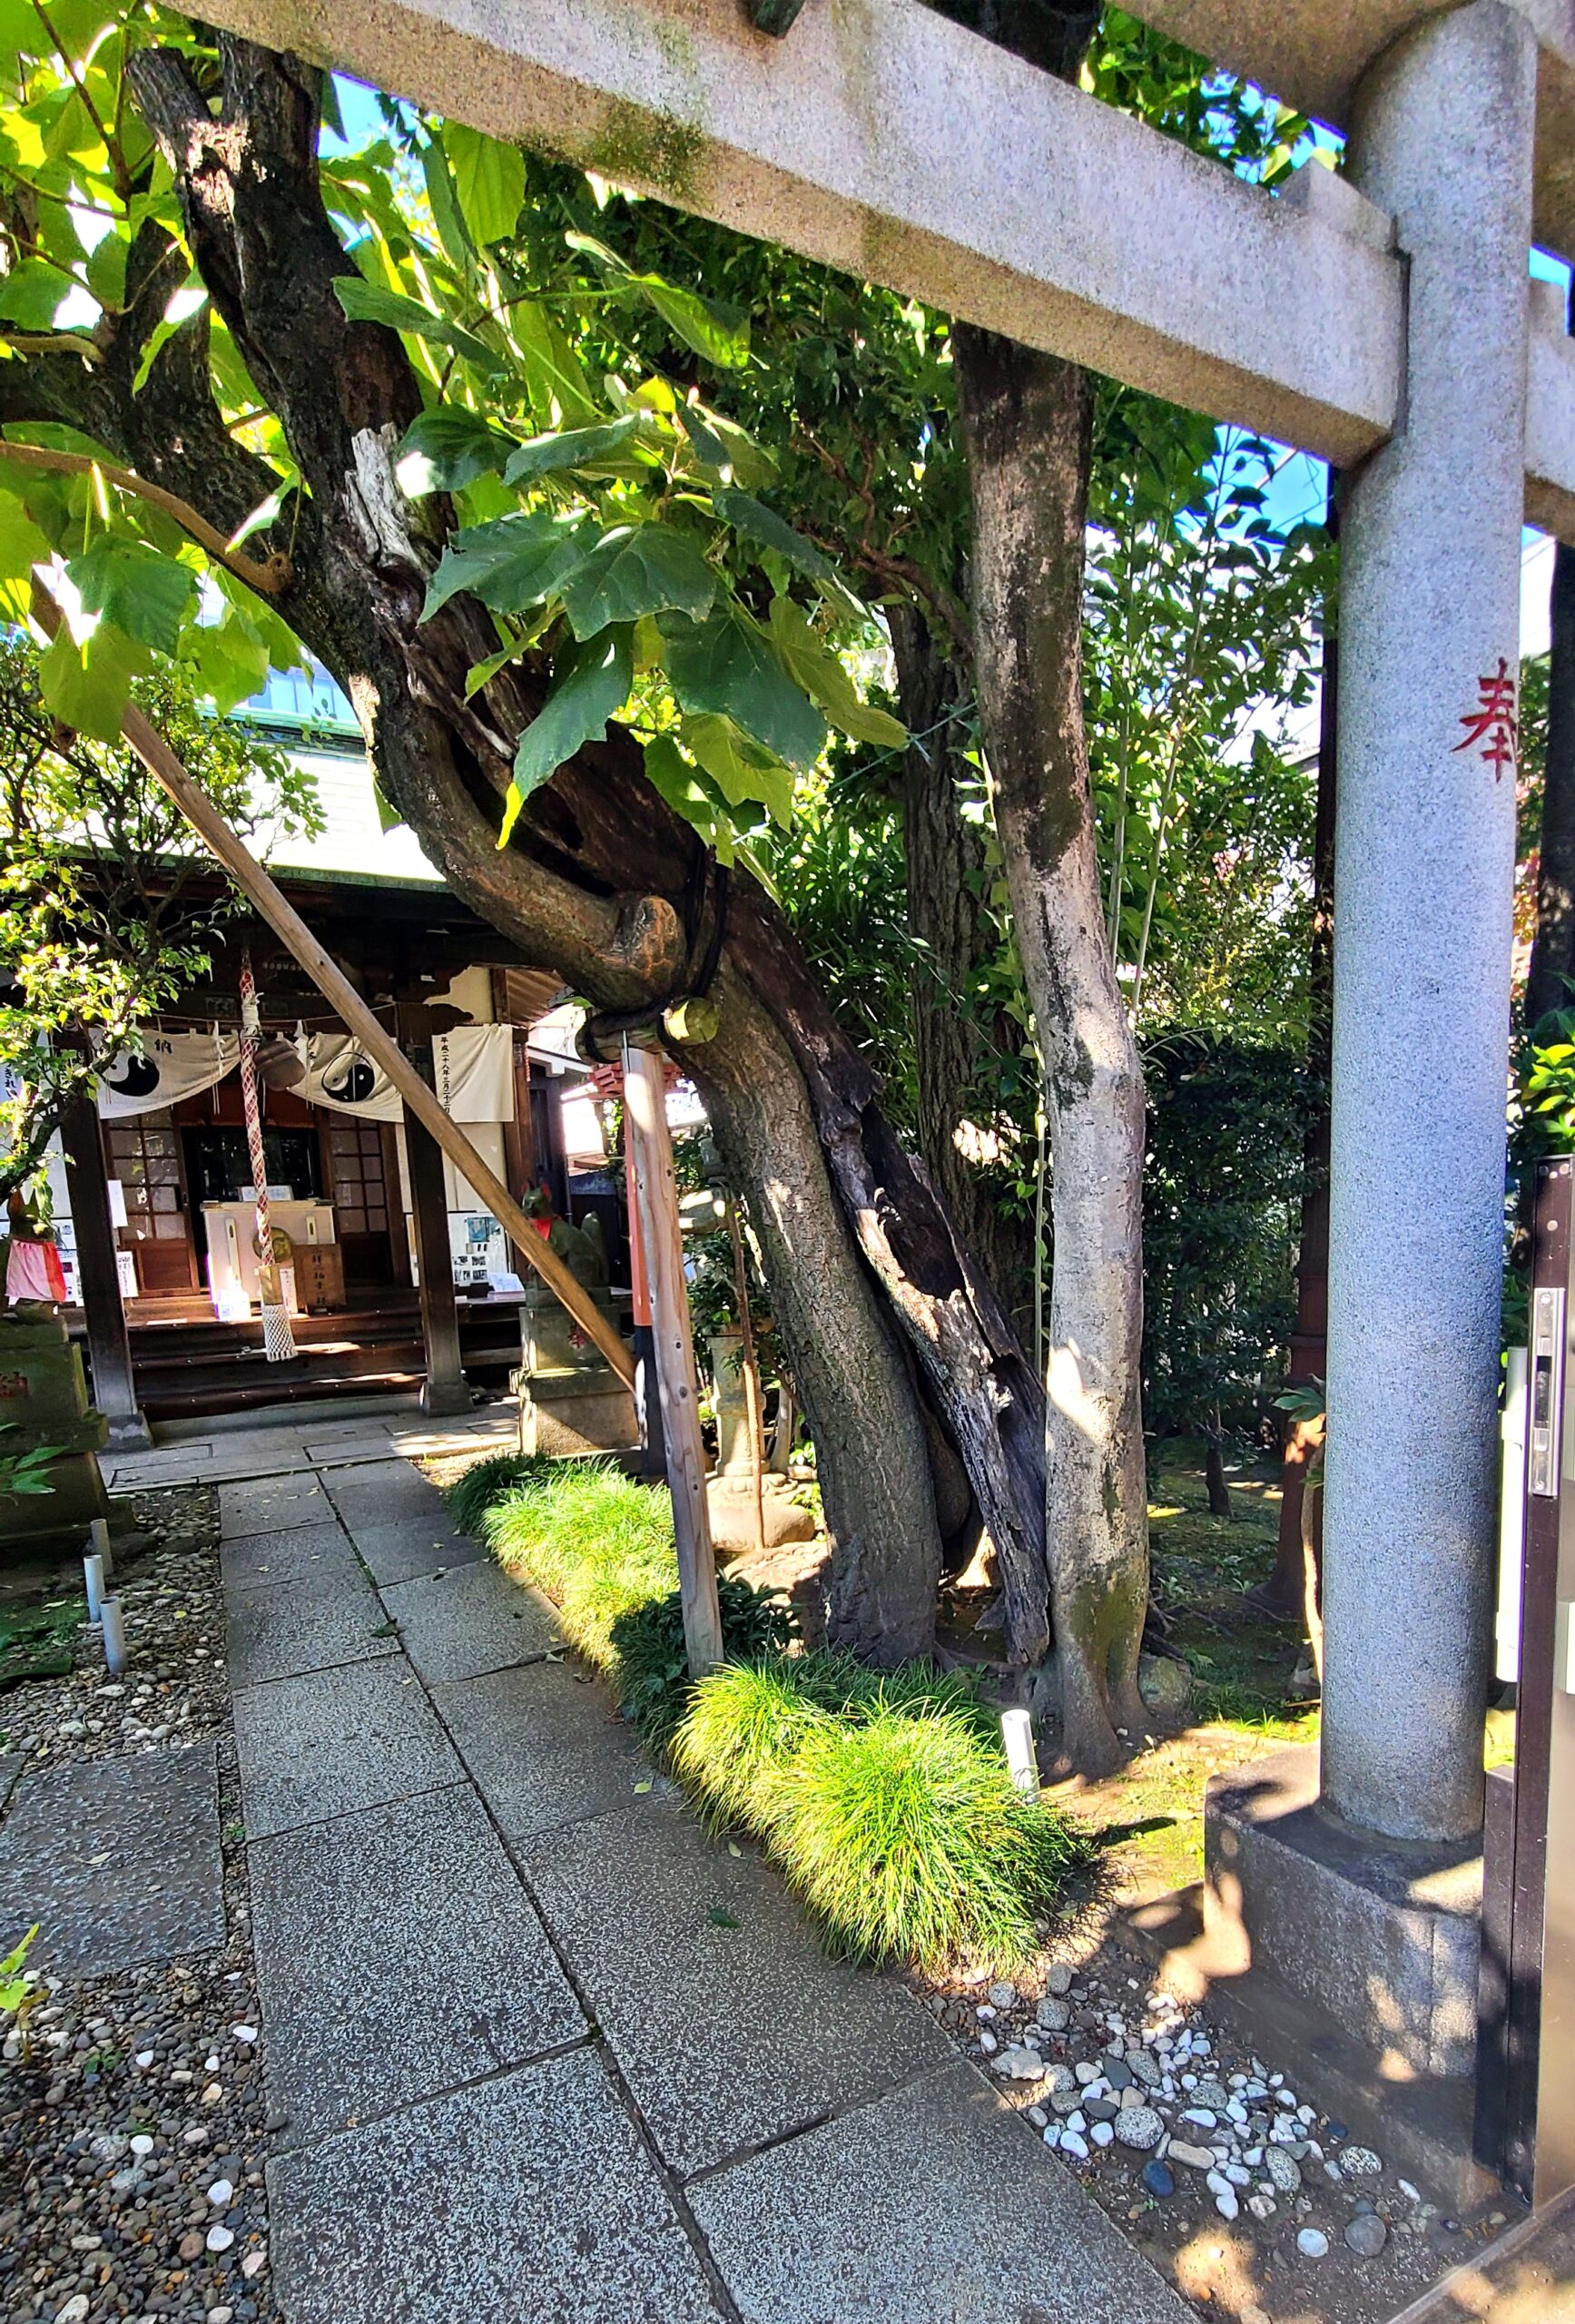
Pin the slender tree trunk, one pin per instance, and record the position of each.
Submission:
(947, 912)
(1026, 423)
(1553, 950)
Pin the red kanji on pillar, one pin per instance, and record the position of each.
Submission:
(1492, 722)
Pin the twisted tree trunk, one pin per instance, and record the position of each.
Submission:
(871, 1281)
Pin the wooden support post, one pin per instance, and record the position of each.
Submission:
(444, 1390)
(352, 1011)
(645, 1128)
(109, 1348)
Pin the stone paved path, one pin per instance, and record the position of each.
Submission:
(538, 2049)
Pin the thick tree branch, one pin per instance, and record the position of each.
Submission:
(267, 576)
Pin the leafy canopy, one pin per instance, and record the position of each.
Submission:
(597, 503)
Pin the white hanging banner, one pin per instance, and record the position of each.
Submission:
(340, 1076)
(167, 1068)
(473, 1068)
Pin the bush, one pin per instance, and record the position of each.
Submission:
(601, 1546)
(887, 1800)
(469, 1497)
(884, 1796)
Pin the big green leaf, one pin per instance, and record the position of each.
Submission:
(88, 686)
(637, 569)
(511, 562)
(146, 595)
(729, 664)
(369, 302)
(446, 449)
(757, 523)
(559, 391)
(488, 182)
(743, 772)
(820, 674)
(30, 294)
(710, 326)
(689, 794)
(591, 687)
(570, 448)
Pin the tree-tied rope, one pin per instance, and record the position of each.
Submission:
(277, 1339)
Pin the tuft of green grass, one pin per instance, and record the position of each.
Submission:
(601, 1546)
(908, 1839)
(887, 1800)
(742, 1729)
(470, 1496)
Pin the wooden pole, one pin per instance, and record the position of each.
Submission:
(444, 1391)
(98, 1282)
(645, 1128)
(287, 924)
(753, 1405)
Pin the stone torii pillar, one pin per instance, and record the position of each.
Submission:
(1356, 1883)
(1424, 872)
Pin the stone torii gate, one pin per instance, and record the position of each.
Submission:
(1384, 321)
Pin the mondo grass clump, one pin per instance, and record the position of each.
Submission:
(888, 1802)
(600, 1545)
(884, 1796)
(470, 1496)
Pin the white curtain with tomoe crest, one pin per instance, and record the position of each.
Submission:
(161, 1069)
(472, 1071)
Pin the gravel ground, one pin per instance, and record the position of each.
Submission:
(131, 2115)
(1235, 2183)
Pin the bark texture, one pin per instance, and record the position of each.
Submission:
(957, 1054)
(602, 882)
(1026, 423)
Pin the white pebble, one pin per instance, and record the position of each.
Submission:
(1406, 2189)
(221, 2238)
(1052, 2134)
(1312, 2243)
(1071, 2144)
(144, 2057)
(1101, 2134)
(244, 2033)
(987, 2043)
(222, 2194)
(76, 2307)
(1227, 2204)
(253, 2263)
(141, 2143)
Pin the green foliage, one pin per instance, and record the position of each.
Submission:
(99, 928)
(888, 1804)
(1223, 1188)
(650, 1666)
(19, 1986)
(25, 1473)
(601, 1547)
(884, 1796)
(606, 515)
(470, 1496)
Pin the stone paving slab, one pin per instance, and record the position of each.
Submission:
(11, 1766)
(273, 1504)
(542, 1744)
(364, 1443)
(117, 1860)
(469, 1619)
(316, 1624)
(398, 1955)
(527, 2197)
(934, 2206)
(404, 1547)
(337, 1740)
(293, 1553)
(728, 2035)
